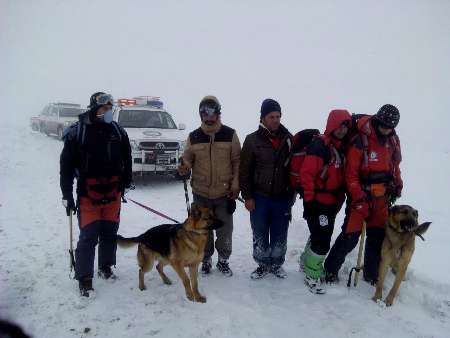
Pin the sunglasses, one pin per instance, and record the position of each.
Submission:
(103, 99)
(208, 110)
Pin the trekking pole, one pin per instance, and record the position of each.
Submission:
(186, 192)
(358, 266)
(72, 258)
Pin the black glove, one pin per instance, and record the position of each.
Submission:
(310, 209)
(69, 204)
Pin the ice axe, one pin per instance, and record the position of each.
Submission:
(72, 257)
(358, 266)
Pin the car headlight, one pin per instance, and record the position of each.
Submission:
(134, 145)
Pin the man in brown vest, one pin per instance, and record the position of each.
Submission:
(212, 153)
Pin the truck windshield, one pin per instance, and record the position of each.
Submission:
(70, 112)
(146, 119)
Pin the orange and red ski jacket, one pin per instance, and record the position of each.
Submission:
(372, 159)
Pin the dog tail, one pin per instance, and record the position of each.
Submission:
(127, 242)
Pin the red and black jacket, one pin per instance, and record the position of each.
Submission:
(372, 159)
(322, 172)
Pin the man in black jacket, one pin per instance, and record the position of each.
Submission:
(97, 153)
(264, 183)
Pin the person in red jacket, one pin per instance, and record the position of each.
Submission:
(322, 181)
(373, 181)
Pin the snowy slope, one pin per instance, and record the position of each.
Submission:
(36, 290)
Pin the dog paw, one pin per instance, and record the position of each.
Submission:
(200, 299)
(376, 298)
(142, 287)
(167, 281)
(389, 301)
(190, 296)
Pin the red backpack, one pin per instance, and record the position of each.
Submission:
(300, 141)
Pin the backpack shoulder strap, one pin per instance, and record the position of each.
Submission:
(117, 128)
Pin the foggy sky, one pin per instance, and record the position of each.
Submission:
(312, 56)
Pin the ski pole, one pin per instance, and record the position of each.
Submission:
(358, 266)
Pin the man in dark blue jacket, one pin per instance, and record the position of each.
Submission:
(97, 153)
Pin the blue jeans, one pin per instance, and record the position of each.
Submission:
(270, 222)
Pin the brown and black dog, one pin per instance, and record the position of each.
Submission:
(398, 247)
(180, 245)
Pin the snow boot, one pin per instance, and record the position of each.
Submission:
(261, 271)
(331, 277)
(278, 271)
(85, 285)
(314, 272)
(206, 267)
(106, 272)
(223, 266)
(315, 285)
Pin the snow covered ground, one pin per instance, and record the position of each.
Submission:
(312, 57)
(36, 290)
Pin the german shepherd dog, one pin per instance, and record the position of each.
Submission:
(180, 245)
(398, 246)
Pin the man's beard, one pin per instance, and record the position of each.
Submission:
(210, 123)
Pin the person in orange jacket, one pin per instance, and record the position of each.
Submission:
(373, 181)
(322, 182)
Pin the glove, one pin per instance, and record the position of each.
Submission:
(250, 204)
(362, 207)
(394, 193)
(183, 170)
(69, 204)
(310, 209)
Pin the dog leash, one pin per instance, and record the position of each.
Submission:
(154, 211)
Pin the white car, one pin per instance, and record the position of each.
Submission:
(156, 141)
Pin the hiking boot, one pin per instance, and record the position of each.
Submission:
(206, 267)
(106, 273)
(261, 271)
(278, 271)
(85, 285)
(331, 277)
(314, 285)
(223, 266)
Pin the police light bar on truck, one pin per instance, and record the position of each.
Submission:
(153, 101)
(126, 102)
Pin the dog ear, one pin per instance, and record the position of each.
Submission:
(196, 213)
(393, 209)
(421, 229)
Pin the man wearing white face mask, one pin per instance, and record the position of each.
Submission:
(97, 153)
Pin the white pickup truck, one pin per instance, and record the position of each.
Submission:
(156, 141)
